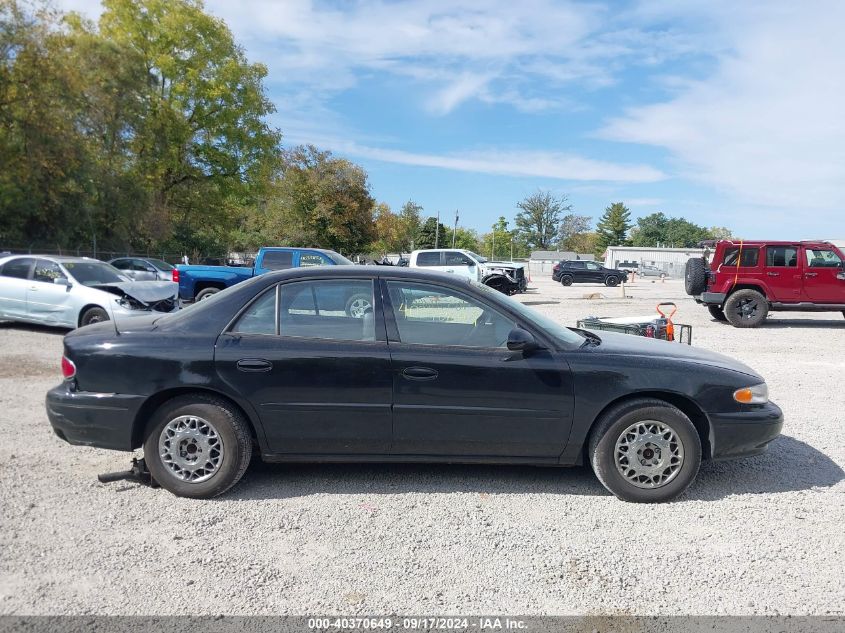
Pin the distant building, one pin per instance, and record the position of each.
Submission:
(670, 260)
(543, 261)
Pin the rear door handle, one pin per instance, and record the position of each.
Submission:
(254, 364)
(773, 274)
(419, 373)
(811, 274)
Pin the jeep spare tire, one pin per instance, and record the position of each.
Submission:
(695, 276)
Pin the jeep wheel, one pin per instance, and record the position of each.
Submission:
(746, 308)
(611, 281)
(695, 276)
(717, 313)
(566, 280)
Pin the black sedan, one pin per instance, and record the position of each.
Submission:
(439, 369)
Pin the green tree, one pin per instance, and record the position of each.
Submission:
(466, 239)
(428, 236)
(411, 223)
(659, 230)
(613, 226)
(539, 218)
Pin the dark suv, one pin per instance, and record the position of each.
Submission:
(748, 279)
(581, 272)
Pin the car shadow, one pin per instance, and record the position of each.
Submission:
(804, 323)
(789, 465)
(540, 303)
(37, 329)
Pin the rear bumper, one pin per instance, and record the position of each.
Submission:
(711, 298)
(744, 433)
(102, 420)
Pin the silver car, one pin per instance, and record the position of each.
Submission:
(144, 268)
(76, 291)
(650, 271)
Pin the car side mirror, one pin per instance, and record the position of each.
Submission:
(520, 340)
(61, 281)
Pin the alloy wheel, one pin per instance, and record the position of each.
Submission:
(649, 454)
(190, 448)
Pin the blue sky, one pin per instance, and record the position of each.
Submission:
(726, 113)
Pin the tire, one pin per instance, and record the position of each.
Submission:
(206, 293)
(566, 280)
(746, 308)
(611, 281)
(695, 276)
(93, 315)
(191, 414)
(717, 313)
(358, 304)
(626, 421)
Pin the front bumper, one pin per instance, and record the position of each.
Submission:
(744, 433)
(102, 420)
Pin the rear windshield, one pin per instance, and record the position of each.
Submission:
(93, 273)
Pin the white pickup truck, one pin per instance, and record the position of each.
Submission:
(506, 277)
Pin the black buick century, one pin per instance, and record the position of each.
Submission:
(431, 368)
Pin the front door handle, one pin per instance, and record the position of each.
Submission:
(773, 274)
(811, 274)
(254, 364)
(419, 373)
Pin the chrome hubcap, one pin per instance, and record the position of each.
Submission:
(649, 454)
(358, 308)
(190, 448)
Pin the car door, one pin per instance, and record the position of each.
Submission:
(49, 297)
(319, 379)
(14, 281)
(783, 273)
(824, 277)
(457, 389)
(459, 264)
(593, 272)
(143, 271)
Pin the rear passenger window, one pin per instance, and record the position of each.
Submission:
(340, 310)
(277, 260)
(18, 268)
(428, 259)
(749, 259)
(781, 256)
(260, 317)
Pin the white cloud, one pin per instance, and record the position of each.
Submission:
(767, 127)
(537, 164)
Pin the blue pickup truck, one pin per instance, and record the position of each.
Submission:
(200, 282)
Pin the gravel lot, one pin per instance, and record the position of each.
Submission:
(757, 536)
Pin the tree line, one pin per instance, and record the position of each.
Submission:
(149, 131)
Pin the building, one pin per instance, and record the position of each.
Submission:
(542, 262)
(671, 261)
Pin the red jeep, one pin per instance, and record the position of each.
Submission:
(746, 280)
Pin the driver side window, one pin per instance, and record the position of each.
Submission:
(433, 315)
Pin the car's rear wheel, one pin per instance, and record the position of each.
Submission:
(746, 308)
(611, 281)
(645, 451)
(197, 446)
(93, 315)
(206, 293)
(566, 280)
(695, 276)
(717, 313)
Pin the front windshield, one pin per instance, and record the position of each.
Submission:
(478, 257)
(551, 327)
(161, 265)
(93, 273)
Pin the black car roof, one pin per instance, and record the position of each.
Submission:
(345, 271)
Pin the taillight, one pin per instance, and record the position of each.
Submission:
(175, 275)
(68, 368)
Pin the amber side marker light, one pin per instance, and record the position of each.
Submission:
(758, 394)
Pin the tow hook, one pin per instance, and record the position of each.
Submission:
(137, 473)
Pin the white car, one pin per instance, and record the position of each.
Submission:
(507, 277)
(76, 291)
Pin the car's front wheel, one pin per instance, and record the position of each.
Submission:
(93, 315)
(645, 451)
(566, 280)
(611, 281)
(197, 446)
(746, 308)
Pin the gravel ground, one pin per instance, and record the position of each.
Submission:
(756, 536)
